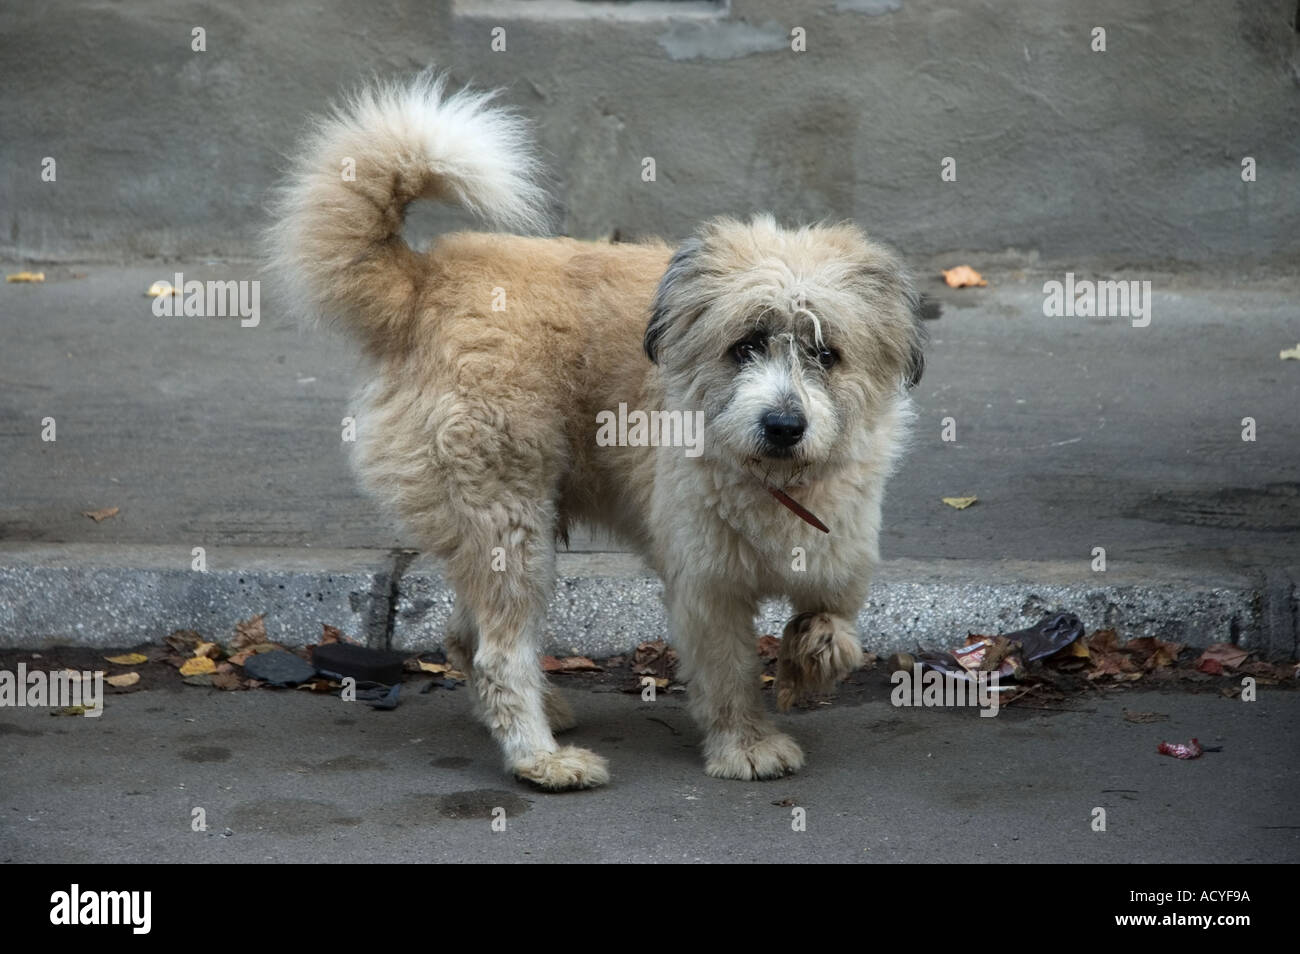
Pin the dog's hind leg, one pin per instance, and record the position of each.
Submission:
(461, 642)
(714, 634)
(508, 603)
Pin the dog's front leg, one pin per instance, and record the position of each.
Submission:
(714, 633)
(818, 650)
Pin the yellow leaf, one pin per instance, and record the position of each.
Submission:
(162, 288)
(122, 680)
(433, 667)
(129, 659)
(1290, 354)
(198, 666)
(455, 674)
(26, 277)
(206, 649)
(765, 679)
(959, 503)
(963, 276)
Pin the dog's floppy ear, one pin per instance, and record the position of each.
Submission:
(923, 308)
(672, 296)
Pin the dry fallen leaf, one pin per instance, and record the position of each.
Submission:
(568, 664)
(963, 276)
(1144, 717)
(959, 503)
(26, 277)
(197, 666)
(122, 680)
(129, 659)
(250, 632)
(1287, 354)
(769, 647)
(162, 288)
(227, 680)
(766, 680)
(436, 668)
(1221, 657)
(211, 650)
(99, 516)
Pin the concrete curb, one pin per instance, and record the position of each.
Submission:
(605, 603)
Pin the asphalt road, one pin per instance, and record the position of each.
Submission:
(287, 776)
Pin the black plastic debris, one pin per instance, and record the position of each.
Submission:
(1050, 635)
(387, 701)
(279, 668)
(339, 660)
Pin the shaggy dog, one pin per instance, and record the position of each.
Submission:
(496, 357)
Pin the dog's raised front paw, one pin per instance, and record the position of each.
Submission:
(566, 768)
(817, 651)
(771, 756)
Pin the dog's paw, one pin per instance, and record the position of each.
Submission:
(817, 651)
(566, 768)
(771, 756)
(558, 712)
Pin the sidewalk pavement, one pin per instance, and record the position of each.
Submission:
(1074, 433)
(420, 783)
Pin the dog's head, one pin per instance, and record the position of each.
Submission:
(790, 340)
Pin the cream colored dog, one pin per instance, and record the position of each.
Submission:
(495, 356)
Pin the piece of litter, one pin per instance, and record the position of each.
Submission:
(1178, 750)
(959, 503)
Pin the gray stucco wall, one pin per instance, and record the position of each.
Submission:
(1131, 155)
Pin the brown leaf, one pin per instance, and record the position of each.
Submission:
(654, 659)
(769, 647)
(1221, 657)
(1104, 641)
(332, 634)
(228, 681)
(183, 641)
(1144, 717)
(1152, 653)
(99, 516)
(568, 664)
(249, 633)
(963, 276)
(122, 680)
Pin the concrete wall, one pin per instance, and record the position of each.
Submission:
(1131, 155)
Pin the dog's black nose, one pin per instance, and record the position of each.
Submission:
(783, 430)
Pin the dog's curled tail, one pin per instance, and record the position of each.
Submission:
(336, 233)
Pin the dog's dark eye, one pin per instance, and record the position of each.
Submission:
(827, 358)
(747, 350)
